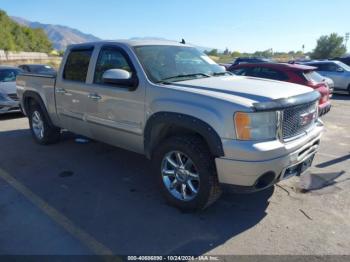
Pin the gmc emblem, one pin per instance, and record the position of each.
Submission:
(307, 118)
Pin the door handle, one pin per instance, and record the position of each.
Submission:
(94, 97)
(61, 91)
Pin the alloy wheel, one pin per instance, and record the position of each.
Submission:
(38, 125)
(180, 176)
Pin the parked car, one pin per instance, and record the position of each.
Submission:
(200, 126)
(38, 69)
(330, 84)
(294, 73)
(245, 60)
(345, 59)
(8, 97)
(336, 70)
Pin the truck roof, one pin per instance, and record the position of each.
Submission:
(132, 43)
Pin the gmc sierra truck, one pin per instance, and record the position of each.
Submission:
(201, 126)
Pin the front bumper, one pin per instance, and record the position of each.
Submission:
(9, 106)
(249, 166)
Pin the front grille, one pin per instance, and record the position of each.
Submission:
(293, 124)
(13, 97)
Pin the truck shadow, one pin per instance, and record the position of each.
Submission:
(340, 96)
(10, 116)
(111, 194)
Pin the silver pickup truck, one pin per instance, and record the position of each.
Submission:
(201, 126)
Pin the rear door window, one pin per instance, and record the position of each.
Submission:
(77, 65)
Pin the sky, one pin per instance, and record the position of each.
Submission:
(239, 25)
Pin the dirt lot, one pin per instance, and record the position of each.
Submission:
(86, 198)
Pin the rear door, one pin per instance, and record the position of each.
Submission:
(71, 91)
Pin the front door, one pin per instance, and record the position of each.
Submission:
(115, 114)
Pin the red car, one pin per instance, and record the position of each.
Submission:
(294, 73)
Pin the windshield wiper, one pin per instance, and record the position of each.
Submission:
(183, 76)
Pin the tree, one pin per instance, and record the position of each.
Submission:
(14, 37)
(213, 52)
(267, 53)
(329, 47)
(236, 54)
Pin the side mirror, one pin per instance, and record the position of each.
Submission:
(120, 77)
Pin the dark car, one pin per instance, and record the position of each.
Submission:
(246, 60)
(38, 69)
(294, 73)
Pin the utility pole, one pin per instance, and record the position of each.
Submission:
(303, 49)
(346, 39)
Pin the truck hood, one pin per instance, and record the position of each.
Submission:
(8, 87)
(242, 90)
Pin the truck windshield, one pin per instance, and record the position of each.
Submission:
(8, 75)
(176, 63)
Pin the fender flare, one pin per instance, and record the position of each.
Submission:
(158, 121)
(39, 100)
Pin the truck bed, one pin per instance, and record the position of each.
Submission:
(44, 85)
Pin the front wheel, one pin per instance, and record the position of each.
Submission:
(186, 172)
(42, 132)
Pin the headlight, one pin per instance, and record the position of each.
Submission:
(255, 126)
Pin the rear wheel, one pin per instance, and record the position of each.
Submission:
(42, 132)
(186, 173)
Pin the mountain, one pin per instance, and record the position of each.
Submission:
(60, 36)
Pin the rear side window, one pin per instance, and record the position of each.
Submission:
(273, 74)
(77, 65)
(253, 71)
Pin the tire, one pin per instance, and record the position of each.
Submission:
(42, 132)
(198, 171)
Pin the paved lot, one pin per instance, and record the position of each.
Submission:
(73, 198)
